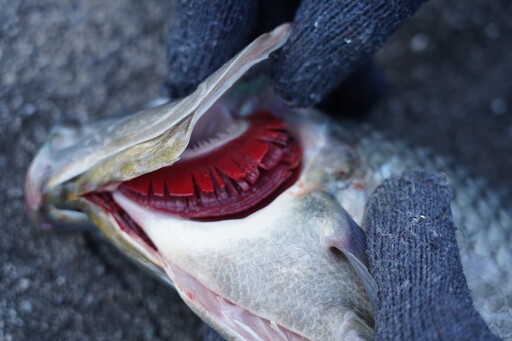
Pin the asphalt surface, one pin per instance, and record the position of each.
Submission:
(450, 87)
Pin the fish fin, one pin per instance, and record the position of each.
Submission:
(352, 243)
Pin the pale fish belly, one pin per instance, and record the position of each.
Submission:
(481, 215)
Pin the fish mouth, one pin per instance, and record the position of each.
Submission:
(256, 161)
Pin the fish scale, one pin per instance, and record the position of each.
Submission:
(483, 217)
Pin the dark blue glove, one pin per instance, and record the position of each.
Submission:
(330, 39)
(422, 291)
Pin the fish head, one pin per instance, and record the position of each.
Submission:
(231, 210)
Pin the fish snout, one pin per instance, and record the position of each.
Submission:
(37, 176)
(41, 211)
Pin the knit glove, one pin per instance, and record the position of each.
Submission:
(414, 259)
(330, 39)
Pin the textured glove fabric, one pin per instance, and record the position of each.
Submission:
(203, 35)
(330, 39)
(413, 257)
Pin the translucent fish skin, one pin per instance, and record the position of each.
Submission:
(482, 217)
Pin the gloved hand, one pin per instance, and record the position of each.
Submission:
(330, 39)
(414, 259)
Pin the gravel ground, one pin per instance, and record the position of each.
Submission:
(450, 87)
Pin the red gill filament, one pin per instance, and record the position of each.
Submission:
(230, 181)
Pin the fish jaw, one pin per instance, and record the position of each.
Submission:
(274, 267)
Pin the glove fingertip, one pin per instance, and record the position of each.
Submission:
(329, 41)
(203, 35)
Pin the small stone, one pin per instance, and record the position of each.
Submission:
(3, 161)
(16, 102)
(23, 284)
(498, 106)
(28, 109)
(14, 193)
(60, 281)
(492, 31)
(89, 299)
(99, 270)
(419, 43)
(25, 306)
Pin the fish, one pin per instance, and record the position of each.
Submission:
(251, 209)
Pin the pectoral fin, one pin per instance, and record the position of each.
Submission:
(351, 241)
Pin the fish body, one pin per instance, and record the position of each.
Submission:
(292, 269)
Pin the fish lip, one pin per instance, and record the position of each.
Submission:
(33, 199)
(37, 177)
(44, 203)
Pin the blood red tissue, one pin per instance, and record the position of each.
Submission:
(229, 181)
